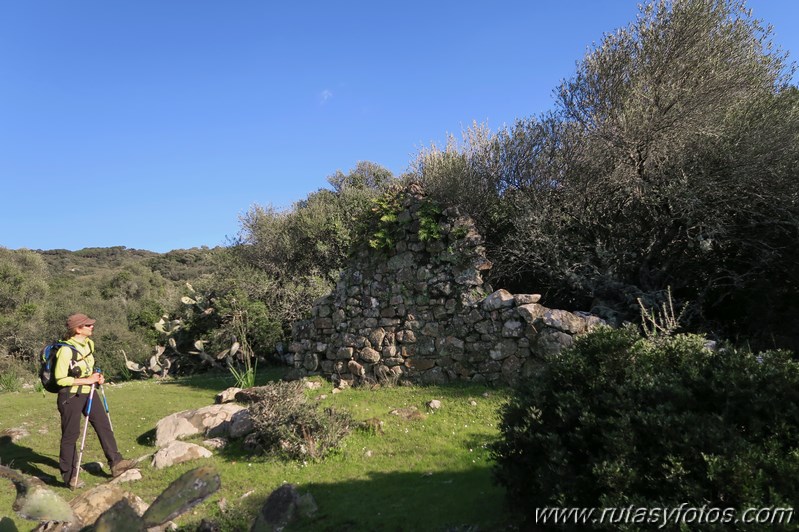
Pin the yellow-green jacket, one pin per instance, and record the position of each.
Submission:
(66, 358)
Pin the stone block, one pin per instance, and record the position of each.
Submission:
(564, 321)
(499, 299)
(369, 355)
(531, 312)
(389, 351)
(420, 364)
(344, 353)
(310, 361)
(550, 342)
(513, 329)
(526, 299)
(323, 323)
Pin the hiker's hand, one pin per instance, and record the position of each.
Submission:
(100, 378)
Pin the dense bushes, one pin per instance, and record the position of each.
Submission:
(622, 420)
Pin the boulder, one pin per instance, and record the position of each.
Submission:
(227, 396)
(498, 300)
(128, 476)
(279, 509)
(89, 505)
(176, 452)
(241, 424)
(13, 435)
(210, 421)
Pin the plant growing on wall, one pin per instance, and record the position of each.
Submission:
(429, 218)
(385, 211)
(388, 224)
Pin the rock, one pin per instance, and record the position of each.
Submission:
(128, 476)
(551, 342)
(369, 355)
(241, 424)
(355, 368)
(434, 404)
(512, 329)
(307, 506)
(499, 299)
(531, 311)
(278, 510)
(121, 517)
(564, 321)
(187, 491)
(435, 376)
(227, 396)
(526, 299)
(210, 420)
(410, 413)
(176, 452)
(310, 361)
(215, 443)
(89, 505)
(13, 435)
(36, 502)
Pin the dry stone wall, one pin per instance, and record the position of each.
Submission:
(420, 311)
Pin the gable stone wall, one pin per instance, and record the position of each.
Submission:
(420, 311)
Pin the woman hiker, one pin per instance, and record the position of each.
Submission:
(74, 373)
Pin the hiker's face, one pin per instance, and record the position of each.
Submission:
(86, 330)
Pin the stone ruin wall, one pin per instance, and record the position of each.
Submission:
(422, 313)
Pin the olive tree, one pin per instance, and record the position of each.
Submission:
(674, 165)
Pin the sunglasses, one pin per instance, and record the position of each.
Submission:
(92, 325)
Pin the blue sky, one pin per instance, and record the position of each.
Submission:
(155, 124)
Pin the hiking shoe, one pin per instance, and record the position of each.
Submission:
(75, 484)
(122, 466)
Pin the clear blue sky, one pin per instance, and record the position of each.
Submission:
(154, 124)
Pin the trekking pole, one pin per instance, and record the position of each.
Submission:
(85, 428)
(105, 402)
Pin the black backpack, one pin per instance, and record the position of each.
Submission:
(47, 368)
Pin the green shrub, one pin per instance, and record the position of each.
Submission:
(620, 420)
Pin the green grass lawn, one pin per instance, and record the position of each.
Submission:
(427, 474)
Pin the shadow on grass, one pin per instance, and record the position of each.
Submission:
(221, 379)
(462, 501)
(147, 439)
(26, 461)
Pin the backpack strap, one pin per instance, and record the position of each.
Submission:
(75, 350)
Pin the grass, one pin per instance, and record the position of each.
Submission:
(426, 474)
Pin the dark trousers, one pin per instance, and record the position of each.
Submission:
(72, 407)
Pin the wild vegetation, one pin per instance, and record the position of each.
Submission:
(669, 161)
(666, 173)
(652, 422)
(429, 473)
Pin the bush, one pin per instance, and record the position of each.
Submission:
(287, 425)
(620, 420)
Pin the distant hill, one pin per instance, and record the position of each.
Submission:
(176, 265)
